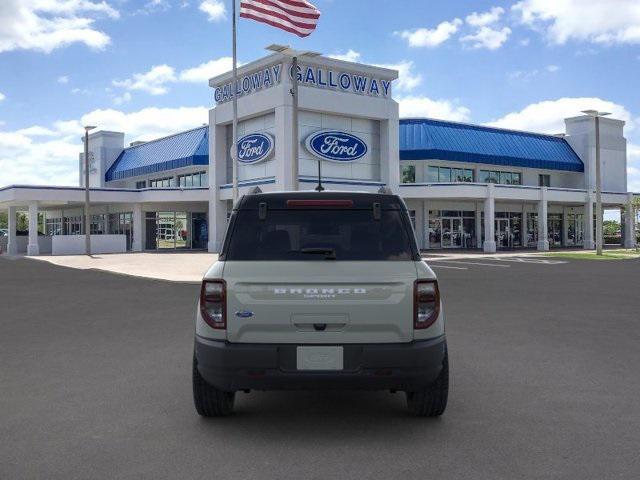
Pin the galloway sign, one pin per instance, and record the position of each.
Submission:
(255, 147)
(308, 76)
(248, 84)
(336, 146)
(328, 78)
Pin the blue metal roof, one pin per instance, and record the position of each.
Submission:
(176, 151)
(427, 139)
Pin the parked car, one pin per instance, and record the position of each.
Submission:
(4, 232)
(320, 291)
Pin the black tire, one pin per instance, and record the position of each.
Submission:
(209, 401)
(432, 401)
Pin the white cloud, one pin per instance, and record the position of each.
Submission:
(548, 116)
(487, 37)
(486, 18)
(157, 80)
(203, 72)
(45, 25)
(596, 21)
(214, 9)
(526, 75)
(420, 106)
(2, 96)
(63, 79)
(153, 6)
(154, 81)
(124, 98)
(407, 78)
(424, 37)
(349, 56)
(48, 155)
(525, 42)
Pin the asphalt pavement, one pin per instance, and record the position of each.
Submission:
(545, 381)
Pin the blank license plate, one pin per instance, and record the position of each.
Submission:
(320, 358)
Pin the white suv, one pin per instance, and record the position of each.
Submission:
(320, 290)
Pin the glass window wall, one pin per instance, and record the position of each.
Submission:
(452, 229)
(176, 230)
(504, 178)
(408, 174)
(447, 174)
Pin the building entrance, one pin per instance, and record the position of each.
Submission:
(452, 233)
(504, 238)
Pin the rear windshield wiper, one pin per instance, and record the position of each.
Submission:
(330, 253)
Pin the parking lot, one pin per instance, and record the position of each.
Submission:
(95, 383)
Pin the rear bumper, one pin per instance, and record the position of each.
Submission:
(397, 366)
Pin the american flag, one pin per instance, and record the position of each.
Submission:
(294, 16)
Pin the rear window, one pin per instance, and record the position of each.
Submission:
(319, 235)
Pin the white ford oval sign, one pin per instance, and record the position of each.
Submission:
(336, 146)
(255, 147)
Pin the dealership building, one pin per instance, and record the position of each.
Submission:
(466, 186)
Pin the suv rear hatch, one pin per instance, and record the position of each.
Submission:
(322, 271)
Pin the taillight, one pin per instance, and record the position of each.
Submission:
(213, 303)
(426, 304)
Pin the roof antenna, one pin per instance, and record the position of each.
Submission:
(319, 188)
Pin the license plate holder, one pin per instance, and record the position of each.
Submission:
(315, 358)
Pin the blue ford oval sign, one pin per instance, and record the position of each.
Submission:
(336, 146)
(255, 147)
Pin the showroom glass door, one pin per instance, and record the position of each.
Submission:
(503, 233)
(166, 230)
(554, 229)
(451, 232)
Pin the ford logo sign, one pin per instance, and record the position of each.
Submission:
(255, 148)
(336, 146)
(244, 314)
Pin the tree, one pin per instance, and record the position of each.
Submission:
(635, 212)
(3, 220)
(610, 228)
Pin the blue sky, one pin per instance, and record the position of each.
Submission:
(142, 66)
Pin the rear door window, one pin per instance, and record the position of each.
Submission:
(337, 234)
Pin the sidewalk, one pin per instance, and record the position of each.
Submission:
(175, 267)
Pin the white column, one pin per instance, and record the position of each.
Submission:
(589, 242)
(138, 219)
(12, 246)
(283, 140)
(478, 226)
(32, 246)
(390, 150)
(629, 224)
(489, 245)
(218, 176)
(565, 227)
(543, 240)
(107, 229)
(425, 225)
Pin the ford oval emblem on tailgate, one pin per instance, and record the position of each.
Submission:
(244, 314)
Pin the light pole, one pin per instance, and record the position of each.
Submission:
(295, 143)
(596, 114)
(87, 217)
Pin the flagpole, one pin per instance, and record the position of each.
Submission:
(234, 146)
(294, 126)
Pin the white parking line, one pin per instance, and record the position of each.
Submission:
(445, 266)
(456, 262)
(531, 260)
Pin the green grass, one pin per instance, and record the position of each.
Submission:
(618, 254)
